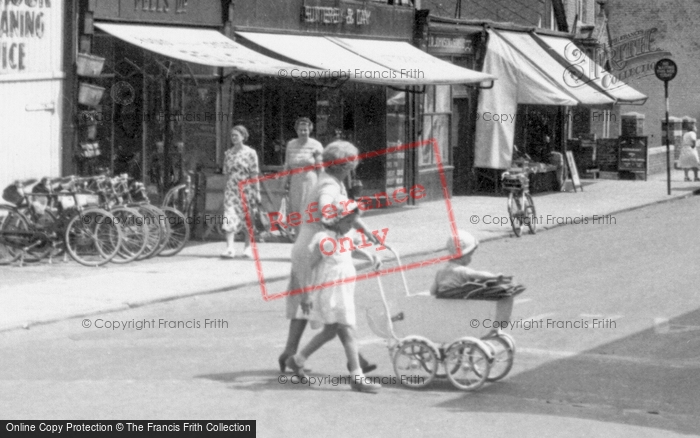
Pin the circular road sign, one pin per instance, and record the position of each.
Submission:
(665, 69)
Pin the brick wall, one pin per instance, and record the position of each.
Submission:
(676, 33)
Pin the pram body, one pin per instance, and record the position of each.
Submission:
(429, 337)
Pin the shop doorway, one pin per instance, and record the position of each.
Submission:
(463, 146)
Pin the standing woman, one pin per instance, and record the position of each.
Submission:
(240, 164)
(301, 152)
(688, 158)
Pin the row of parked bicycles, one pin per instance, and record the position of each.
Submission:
(94, 220)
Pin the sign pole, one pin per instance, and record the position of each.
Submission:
(668, 143)
(665, 70)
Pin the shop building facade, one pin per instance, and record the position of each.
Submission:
(172, 88)
(32, 78)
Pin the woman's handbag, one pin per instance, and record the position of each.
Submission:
(260, 219)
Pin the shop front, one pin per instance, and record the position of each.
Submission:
(384, 91)
(534, 107)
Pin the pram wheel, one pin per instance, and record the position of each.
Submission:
(467, 365)
(415, 364)
(503, 349)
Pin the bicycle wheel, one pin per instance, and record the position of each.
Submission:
(179, 232)
(155, 232)
(44, 221)
(164, 230)
(530, 214)
(134, 234)
(514, 212)
(11, 222)
(93, 237)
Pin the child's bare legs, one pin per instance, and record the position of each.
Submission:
(695, 171)
(347, 336)
(685, 170)
(328, 333)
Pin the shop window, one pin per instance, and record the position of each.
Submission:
(268, 110)
(437, 113)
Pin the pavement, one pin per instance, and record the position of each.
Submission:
(43, 293)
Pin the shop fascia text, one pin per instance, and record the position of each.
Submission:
(19, 19)
(161, 6)
(330, 15)
(330, 211)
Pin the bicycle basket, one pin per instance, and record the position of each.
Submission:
(515, 182)
(12, 194)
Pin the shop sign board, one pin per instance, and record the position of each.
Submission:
(29, 34)
(336, 15)
(573, 170)
(450, 44)
(196, 12)
(633, 154)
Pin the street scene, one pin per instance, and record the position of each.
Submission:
(377, 218)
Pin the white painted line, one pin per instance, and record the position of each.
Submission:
(522, 300)
(371, 341)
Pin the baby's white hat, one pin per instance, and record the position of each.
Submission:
(466, 241)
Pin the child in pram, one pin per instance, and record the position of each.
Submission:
(457, 272)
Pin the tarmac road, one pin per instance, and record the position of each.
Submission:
(635, 374)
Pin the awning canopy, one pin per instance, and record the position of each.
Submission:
(585, 71)
(562, 75)
(534, 69)
(200, 46)
(370, 61)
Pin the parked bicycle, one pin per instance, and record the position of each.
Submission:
(90, 235)
(521, 207)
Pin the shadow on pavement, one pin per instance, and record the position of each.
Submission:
(648, 379)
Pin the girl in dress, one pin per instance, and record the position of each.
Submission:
(334, 306)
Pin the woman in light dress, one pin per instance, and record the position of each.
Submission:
(688, 158)
(303, 151)
(328, 190)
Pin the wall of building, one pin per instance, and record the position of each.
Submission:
(644, 31)
(31, 78)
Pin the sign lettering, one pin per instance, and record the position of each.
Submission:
(452, 44)
(22, 29)
(331, 15)
(162, 6)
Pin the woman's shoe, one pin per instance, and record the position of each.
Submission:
(362, 384)
(248, 253)
(364, 365)
(296, 369)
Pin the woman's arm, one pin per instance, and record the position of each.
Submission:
(373, 259)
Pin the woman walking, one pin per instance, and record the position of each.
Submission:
(334, 306)
(328, 190)
(240, 164)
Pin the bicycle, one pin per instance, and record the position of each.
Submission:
(521, 207)
(89, 235)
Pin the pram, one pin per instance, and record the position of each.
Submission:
(459, 339)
